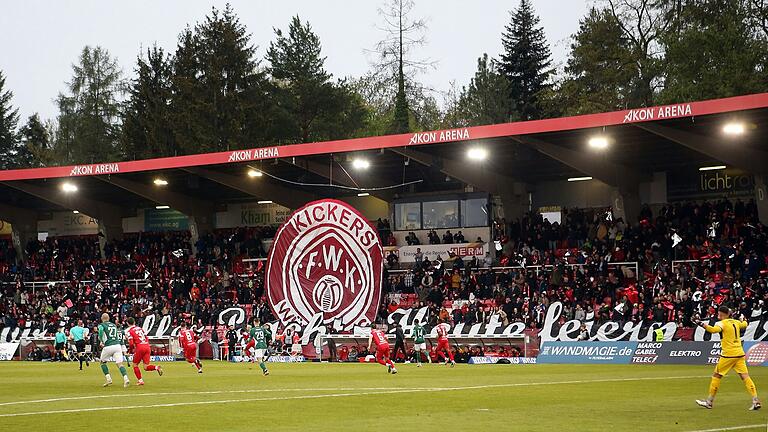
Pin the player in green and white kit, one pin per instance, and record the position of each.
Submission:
(111, 339)
(419, 343)
(260, 336)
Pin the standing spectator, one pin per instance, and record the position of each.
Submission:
(408, 280)
(296, 348)
(231, 343)
(214, 340)
(418, 258)
(399, 342)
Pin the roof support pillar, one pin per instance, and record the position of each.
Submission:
(515, 200)
(761, 198)
(23, 228)
(625, 204)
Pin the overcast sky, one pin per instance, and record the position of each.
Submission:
(39, 40)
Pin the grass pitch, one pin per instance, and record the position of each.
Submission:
(360, 397)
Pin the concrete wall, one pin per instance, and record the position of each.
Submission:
(371, 207)
(594, 193)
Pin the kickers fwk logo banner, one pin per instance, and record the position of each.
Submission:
(326, 262)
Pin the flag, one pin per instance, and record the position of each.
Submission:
(676, 239)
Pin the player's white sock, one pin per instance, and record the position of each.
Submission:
(108, 377)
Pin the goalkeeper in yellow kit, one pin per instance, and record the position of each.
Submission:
(731, 356)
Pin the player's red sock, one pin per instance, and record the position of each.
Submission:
(137, 372)
(150, 368)
(450, 354)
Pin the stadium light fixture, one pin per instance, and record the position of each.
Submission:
(254, 173)
(477, 153)
(162, 207)
(363, 194)
(361, 163)
(68, 187)
(712, 168)
(575, 179)
(734, 128)
(264, 202)
(598, 142)
(160, 182)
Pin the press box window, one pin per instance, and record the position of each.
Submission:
(441, 214)
(407, 216)
(474, 212)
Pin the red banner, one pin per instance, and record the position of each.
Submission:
(325, 264)
(715, 106)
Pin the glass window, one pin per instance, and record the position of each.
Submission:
(474, 212)
(407, 216)
(441, 214)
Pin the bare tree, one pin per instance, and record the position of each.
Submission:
(396, 66)
(643, 23)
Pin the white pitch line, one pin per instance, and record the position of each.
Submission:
(732, 428)
(336, 395)
(210, 392)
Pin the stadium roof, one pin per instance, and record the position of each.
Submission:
(642, 141)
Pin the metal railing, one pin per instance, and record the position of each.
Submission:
(540, 268)
(44, 284)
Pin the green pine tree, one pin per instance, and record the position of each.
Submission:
(484, 100)
(526, 63)
(315, 107)
(9, 120)
(36, 143)
(601, 68)
(147, 128)
(89, 111)
(713, 53)
(220, 96)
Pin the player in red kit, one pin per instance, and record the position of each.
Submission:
(250, 343)
(138, 343)
(442, 342)
(379, 339)
(188, 342)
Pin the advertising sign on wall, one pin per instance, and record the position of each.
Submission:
(69, 224)
(669, 352)
(165, 220)
(252, 214)
(407, 254)
(586, 352)
(688, 185)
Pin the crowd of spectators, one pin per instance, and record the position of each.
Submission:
(538, 262)
(141, 274)
(577, 261)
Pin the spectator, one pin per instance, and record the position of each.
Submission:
(232, 338)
